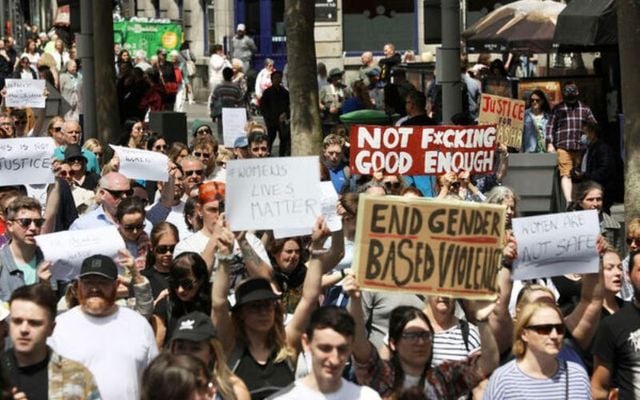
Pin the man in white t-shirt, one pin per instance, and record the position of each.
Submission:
(115, 343)
(328, 340)
(248, 249)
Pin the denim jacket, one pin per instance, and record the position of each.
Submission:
(530, 135)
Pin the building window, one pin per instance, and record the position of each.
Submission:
(368, 25)
(211, 24)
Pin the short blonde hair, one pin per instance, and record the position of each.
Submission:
(528, 311)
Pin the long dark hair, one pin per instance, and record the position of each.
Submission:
(126, 130)
(400, 317)
(544, 104)
(180, 268)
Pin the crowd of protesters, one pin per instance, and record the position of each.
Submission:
(191, 310)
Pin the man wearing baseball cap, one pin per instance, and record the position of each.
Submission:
(243, 47)
(115, 343)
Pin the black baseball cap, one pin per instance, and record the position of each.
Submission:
(195, 326)
(253, 290)
(99, 265)
(73, 151)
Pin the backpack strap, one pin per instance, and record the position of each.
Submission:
(464, 328)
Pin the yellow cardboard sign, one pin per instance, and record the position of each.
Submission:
(507, 114)
(450, 248)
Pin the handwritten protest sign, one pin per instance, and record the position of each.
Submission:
(507, 114)
(142, 164)
(328, 208)
(26, 161)
(556, 244)
(233, 122)
(422, 150)
(272, 193)
(23, 93)
(427, 246)
(67, 249)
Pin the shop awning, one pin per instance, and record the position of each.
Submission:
(588, 23)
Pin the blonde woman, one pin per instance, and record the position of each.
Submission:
(94, 146)
(537, 372)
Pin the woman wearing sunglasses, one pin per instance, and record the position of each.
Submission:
(537, 372)
(535, 123)
(411, 347)
(130, 216)
(189, 290)
(164, 237)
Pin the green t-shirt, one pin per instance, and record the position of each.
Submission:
(29, 271)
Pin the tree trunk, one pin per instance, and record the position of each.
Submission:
(306, 130)
(107, 116)
(629, 43)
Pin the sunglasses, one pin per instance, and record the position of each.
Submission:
(119, 193)
(132, 228)
(535, 100)
(635, 241)
(194, 172)
(392, 185)
(186, 284)
(203, 130)
(164, 249)
(63, 174)
(57, 129)
(26, 222)
(199, 154)
(545, 329)
(160, 147)
(414, 337)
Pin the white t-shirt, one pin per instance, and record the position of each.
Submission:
(198, 241)
(348, 391)
(116, 349)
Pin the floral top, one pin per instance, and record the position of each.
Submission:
(449, 380)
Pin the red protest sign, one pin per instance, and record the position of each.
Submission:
(422, 150)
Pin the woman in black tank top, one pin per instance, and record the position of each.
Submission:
(260, 349)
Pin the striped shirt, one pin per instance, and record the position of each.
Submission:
(510, 382)
(449, 344)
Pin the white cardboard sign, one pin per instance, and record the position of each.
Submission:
(23, 93)
(328, 204)
(142, 164)
(233, 122)
(556, 244)
(26, 161)
(272, 193)
(67, 249)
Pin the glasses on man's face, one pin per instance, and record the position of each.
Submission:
(26, 222)
(201, 154)
(164, 249)
(194, 172)
(186, 284)
(416, 336)
(545, 329)
(118, 194)
(134, 227)
(62, 174)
